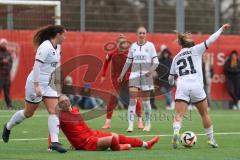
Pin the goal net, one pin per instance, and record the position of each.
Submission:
(28, 14)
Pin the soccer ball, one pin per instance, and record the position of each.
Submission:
(188, 139)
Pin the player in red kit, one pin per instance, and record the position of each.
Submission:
(118, 58)
(82, 137)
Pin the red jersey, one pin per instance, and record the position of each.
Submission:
(118, 61)
(74, 128)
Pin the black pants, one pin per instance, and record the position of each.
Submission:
(233, 88)
(5, 86)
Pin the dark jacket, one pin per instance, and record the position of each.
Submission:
(5, 63)
(229, 71)
(163, 68)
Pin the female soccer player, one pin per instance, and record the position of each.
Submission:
(37, 89)
(143, 58)
(82, 137)
(187, 65)
(118, 58)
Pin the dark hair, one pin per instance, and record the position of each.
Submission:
(46, 33)
(234, 52)
(183, 40)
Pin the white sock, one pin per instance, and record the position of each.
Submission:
(139, 119)
(17, 118)
(131, 112)
(53, 126)
(108, 121)
(176, 127)
(209, 133)
(148, 111)
(145, 144)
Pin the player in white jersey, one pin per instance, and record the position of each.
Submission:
(37, 89)
(187, 66)
(143, 58)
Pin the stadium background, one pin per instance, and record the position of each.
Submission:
(103, 20)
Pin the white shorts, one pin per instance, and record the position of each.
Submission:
(143, 83)
(144, 88)
(190, 93)
(30, 94)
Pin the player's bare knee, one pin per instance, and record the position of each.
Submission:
(28, 114)
(178, 117)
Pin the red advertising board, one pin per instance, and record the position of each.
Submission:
(93, 43)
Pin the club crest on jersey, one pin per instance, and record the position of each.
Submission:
(146, 50)
(53, 53)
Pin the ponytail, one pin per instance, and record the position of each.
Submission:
(47, 33)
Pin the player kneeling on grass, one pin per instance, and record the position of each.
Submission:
(187, 65)
(82, 137)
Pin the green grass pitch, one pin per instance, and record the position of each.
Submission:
(29, 139)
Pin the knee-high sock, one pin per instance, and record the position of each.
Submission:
(139, 108)
(53, 126)
(115, 146)
(131, 112)
(148, 110)
(176, 126)
(111, 106)
(134, 142)
(17, 118)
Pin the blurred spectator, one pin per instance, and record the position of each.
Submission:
(69, 91)
(208, 72)
(86, 100)
(162, 70)
(232, 73)
(5, 69)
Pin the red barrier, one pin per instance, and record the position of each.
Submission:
(92, 43)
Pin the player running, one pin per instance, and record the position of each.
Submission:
(118, 58)
(187, 65)
(48, 41)
(82, 137)
(143, 60)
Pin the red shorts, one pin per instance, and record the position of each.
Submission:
(91, 144)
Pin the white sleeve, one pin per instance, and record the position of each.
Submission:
(201, 48)
(171, 77)
(173, 70)
(171, 80)
(130, 55)
(153, 51)
(154, 57)
(41, 54)
(36, 70)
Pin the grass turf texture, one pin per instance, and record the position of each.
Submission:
(36, 130)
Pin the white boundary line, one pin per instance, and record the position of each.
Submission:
(163, 135)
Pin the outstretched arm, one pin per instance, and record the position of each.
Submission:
(215, 36)
(201, 48)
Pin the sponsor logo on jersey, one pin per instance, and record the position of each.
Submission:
(54, 64)
(140, 57)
